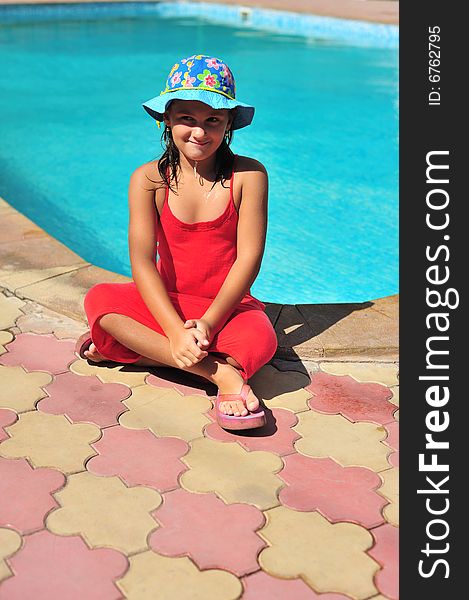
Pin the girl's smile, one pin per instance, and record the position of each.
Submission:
(196, 127)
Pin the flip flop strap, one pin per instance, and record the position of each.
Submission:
(233, 397)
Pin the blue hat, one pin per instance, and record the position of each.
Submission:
(204, 78)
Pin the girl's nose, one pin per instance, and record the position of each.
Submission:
(198, 131)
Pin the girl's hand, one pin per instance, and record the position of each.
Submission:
(185, 345)
(202, 326)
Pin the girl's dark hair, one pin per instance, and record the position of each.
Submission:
(169, 162)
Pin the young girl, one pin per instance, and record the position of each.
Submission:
(206, 210)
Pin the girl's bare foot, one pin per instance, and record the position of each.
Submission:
(229, 381)
(93, 354)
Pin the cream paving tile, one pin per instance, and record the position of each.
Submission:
(9, 310)
(118, 373)
(281, 389)
(50, 441)
(396, 415)
(395, 395)
(386, 374)
(5, 338)
(390, 491)
(350, 444)
(10, 542)
(329, 557)
(153, 576)
(166, 412)
(21, 390)
(105, 512)
(233, 473)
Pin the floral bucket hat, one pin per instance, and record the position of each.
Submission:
(204, 78)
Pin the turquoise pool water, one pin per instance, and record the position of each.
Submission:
(326, 127)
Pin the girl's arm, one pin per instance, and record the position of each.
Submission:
(142, 249)
(252, 229)
(185, 345)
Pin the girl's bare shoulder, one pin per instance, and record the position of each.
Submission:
(148, 176)
(249, 169)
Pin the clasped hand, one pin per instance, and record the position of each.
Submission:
(187, 343)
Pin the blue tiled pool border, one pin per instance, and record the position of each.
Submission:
(305, 25)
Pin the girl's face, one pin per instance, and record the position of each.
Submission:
(196, 128)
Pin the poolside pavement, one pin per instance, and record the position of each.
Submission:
(117, 482)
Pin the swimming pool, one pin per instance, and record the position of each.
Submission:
(73, 130)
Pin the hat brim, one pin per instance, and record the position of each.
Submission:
(243, 117)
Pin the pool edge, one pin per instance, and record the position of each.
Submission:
(372, 11)
(37, 267)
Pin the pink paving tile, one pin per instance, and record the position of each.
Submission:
(260, 586)
(386, 553)
(339, 493)
(7, 417)
(53, 567)
(139, 457)
(85, 399)
(277, 436)
(39, 353)
(340, 394)
(26, 494)
(215, 535)
(197, 389)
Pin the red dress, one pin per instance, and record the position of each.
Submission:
(194, 260)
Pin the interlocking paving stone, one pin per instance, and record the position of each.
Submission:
(395, 395)
(196, 525)
(5, 338)
(139, 458)
(261, 586)
(281, 389)
(354, 400)
(166, 412)
(20, 390)
(10, 542)
(153, 576)
(85, 399)
(26, 494)
(350, 444)
(393, 442)
(329, 557)
(386, 374)
(390, 491)
(386, 552)
(39, 353)
(339, 493)
(110, 372)
(51, 567)
(9, 310)
(212, 465)
(7, 417)
(277, 435)
(184, 389)
(50, 441)
(105, 512)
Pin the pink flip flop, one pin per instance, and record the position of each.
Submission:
(83, 343)
(249, 421)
